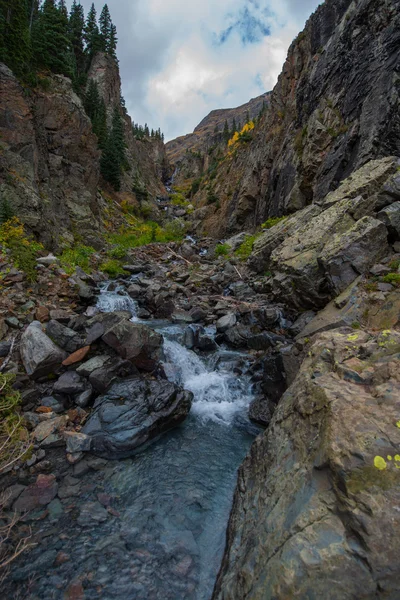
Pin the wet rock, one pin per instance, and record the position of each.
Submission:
(136, 343)
(39, 354)
(13, 322)
(226, 322)
(44, 561)
(83, 399)
(261, 411)
(134, 291)
(114, 369)
(102, 322)
(54, 404)
(65, 338)
(38, 494)
(142, 313)
(77, 442)
(92, 513)
(70, 384)
(132, 413)
(194, 338)
(181, 317)
(197, 314)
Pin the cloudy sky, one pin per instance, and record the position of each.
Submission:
(180, 59)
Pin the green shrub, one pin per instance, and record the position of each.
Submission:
(246, 248)
(78, 256)
(178, 200)
(14, 438)
(117, 252)
(212, 198)
(222, 250)
(195, 187)
(393, 278)
(272, 221)
(394, 265)
(112, 268)
(24, 250)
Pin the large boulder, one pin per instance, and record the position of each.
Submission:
(39, 354)
(134, 412)
(319, 251)
(314, 510)
(137, 343)
(65, 338)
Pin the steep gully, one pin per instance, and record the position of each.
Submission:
(171, 501)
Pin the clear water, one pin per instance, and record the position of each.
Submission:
(173, 499)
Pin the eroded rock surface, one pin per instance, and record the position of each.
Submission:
(315, 509)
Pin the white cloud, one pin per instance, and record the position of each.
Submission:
(173, 72)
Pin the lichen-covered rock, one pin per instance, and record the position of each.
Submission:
(317, 253)
(314, 510)
(40, 356)
(132, 413)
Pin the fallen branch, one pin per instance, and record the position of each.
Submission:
(237, 271)
(9, 355)
(181, 257)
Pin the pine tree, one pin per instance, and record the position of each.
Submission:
(247, 117)
(109, 164)
(92, 99)
(63, 8)
(105, 28)
(15, 47)
(112, 44)
(76, 28)
(6, 212)
(234, 126)
(50, 41)
(146, 130)
(118, 135)
(92, 33)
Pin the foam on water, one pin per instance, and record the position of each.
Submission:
(218, 394)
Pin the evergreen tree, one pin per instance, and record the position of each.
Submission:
(247, 117)
(105, 28)
(92, 33)
(146, 130)
(112, 44)
(234, 126)
(6, 212)
(63, 8)
(15, 47)
(50, 41)
(109, 164)
(118, 135)
(76, 28)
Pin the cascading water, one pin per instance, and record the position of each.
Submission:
(114, 297)
(165, 535)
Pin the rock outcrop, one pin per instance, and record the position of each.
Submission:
(132, 413)
(334, 108)
(315, 508)
(318, 252)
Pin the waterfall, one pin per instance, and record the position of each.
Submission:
(116, 299)
(219, 393)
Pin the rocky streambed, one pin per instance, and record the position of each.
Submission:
(152, 523)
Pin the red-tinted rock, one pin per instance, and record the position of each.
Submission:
(37, 495)
(77, 356)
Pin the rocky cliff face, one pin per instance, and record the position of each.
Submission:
(204, 135)
(50, 162)
(314, 511)
(147, 159)
(335, 106)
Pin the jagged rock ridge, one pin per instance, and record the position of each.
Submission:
(203, 135)
(335, 106)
